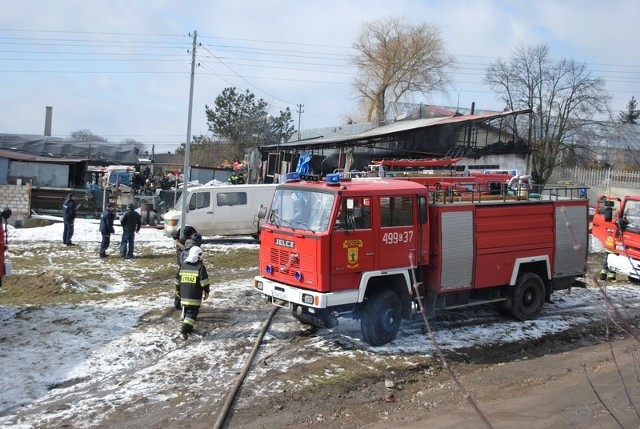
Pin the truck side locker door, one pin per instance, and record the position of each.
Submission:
(423, 230)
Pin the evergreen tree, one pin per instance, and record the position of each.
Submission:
(244, 121)
(631, 115)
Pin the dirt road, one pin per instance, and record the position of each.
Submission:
(550, 391)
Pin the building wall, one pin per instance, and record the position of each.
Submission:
(39, 173)
(18, 199)
(4, 169)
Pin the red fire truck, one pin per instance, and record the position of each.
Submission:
(616, 223)
(371, 248)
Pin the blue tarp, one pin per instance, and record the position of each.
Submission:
(304, 163)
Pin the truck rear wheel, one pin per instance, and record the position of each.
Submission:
(528, 297)
(381, 318)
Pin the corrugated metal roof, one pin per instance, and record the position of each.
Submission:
(21, 156)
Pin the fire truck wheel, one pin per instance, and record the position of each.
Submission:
(528, 297)
(381, 318)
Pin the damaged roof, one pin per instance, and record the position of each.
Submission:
(398, 128)
(56, 149)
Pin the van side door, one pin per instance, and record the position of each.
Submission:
(198, 211)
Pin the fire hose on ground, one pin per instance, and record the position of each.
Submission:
(222, 415)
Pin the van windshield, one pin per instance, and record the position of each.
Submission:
(178, 206)
(301, 209)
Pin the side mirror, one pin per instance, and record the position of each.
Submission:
(608, 214)
(262, 212)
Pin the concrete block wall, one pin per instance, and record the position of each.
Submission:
(18, 199)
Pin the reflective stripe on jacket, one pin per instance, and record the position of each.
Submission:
(192, 281)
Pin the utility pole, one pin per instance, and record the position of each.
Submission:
(300, 112)
(187, 150)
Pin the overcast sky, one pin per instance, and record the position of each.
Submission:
(121, 68)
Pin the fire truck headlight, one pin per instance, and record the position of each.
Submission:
(258, 284)
(298, 276)
(268, 269)
(307, 299)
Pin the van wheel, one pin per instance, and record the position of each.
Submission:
(381, 318)
(528, 297)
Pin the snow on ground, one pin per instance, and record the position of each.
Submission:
(75, 364)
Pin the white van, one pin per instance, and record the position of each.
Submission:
(220, 209)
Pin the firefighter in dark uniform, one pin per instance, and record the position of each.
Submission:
(194, 240)
(192, 286)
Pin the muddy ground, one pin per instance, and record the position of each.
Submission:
(555, 384)
(572, 379)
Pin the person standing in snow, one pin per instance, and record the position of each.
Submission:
(192, 287)
(194, 240)
(131, 223)
(106, 228)
(68, 217)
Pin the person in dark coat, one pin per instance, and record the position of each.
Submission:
(106, 228)
(68, 217)
(131, 222)
(179, 242)
(192, 287)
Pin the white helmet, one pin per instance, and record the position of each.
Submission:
(195, 255)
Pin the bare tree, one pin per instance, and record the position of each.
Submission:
(209, 152)
(87, 136)
(142, 149)
(563, 96)
(395, 59)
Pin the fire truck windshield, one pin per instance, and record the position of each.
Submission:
(301, 209)
(631, 215)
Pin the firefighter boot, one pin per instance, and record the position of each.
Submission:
(603, 274)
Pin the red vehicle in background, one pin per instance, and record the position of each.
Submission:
(616, 224)
(371, 248)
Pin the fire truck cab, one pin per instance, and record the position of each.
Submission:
(371, 248)
(616, 223)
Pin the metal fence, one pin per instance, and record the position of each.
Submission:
(592, 177)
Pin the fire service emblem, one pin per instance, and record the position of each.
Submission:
(352, 247)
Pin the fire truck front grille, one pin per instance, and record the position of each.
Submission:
(284, 261)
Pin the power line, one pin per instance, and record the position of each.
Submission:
(243, 78)
(298, 62)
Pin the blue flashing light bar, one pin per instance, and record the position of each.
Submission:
(294, 176)
(332, 179)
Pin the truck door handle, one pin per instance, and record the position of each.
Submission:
(209, 212)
